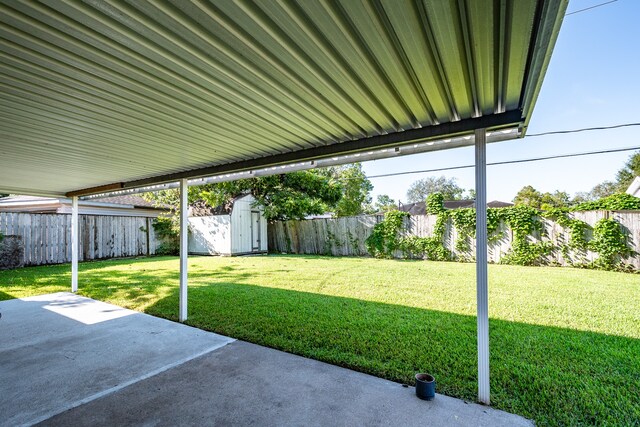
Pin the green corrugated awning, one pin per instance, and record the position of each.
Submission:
(130, 93)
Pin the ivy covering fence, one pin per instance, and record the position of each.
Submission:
(603, 235)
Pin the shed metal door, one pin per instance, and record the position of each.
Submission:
(255, 231)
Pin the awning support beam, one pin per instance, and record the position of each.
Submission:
(74, 244)
(481, 266)
(184, 246)
(496, 121)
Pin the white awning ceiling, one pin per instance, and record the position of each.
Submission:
(124, 94)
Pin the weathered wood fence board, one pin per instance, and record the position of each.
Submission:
(346, 236)
(47, 237)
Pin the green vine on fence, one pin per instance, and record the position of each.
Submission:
(609, 240)
(464, 220)
(331, 241)
(384, 240)
(167, 231)
(524, 221)
(577, 228)
(615, 202)
(430, 247)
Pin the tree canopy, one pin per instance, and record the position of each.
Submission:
(384, 203)
(344, 190)
(629, 171)
(419, 190)
(356, 189)
(623, 179)
(529, 196)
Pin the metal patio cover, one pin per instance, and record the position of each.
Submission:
(99, 95)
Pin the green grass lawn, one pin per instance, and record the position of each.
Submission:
(565, 343)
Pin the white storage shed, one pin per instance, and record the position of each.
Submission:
(237, 228)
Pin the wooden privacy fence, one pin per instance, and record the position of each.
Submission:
(346, 236)
(47, 237)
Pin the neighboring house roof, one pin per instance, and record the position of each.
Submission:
(119, 205)
(201, 208)
(634, 188)
(420, 208)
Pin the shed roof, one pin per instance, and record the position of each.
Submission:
(107, 95)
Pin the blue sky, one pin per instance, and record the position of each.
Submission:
(593, 80)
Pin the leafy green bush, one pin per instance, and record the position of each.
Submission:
(384, 239)
(610, 242)
(615, 202)
(434, 205)
(168, 232)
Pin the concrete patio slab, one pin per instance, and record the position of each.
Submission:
(139, 370)
(58, 351)
(246, 384)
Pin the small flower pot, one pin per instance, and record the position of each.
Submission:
(425, 386)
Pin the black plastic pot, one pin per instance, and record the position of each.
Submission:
(425, 386)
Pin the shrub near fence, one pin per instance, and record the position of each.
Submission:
(346, 237)
(46, 238)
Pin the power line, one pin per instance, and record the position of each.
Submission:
(532, 159)
(556, 132)
(590, 7)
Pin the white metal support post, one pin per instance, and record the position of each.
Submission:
(74, 244)
(481, 266)
(184, 247)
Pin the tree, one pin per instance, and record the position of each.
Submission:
(384, 203)
(624, 177)
(557, 199)
(627, 174)
(288, 196)
(471, 194)
(419, 190)
(529, 196)
(356, 189)
(605, 189)
(581, 197)
(344, 190)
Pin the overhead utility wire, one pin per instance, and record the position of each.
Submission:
(506, 162)
(590, 7)
(535, 159)
(557, 132)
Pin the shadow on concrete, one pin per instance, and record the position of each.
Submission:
(551, 374)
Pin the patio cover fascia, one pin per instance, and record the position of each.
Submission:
(110, 96)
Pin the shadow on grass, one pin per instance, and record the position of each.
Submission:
(556, 376)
